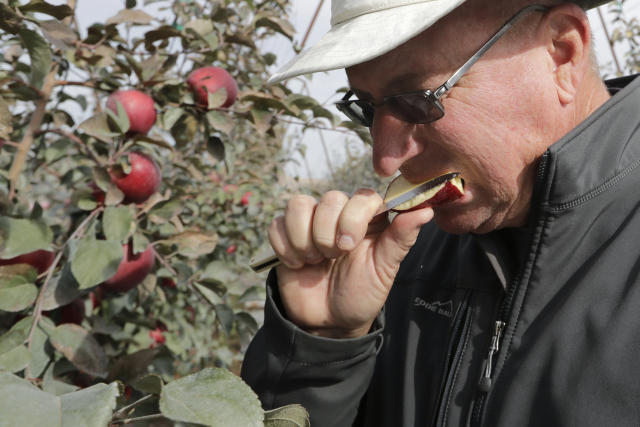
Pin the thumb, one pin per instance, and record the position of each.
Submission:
(395, 241)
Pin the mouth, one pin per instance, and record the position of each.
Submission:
(435, 192)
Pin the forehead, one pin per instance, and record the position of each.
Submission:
(427, 58)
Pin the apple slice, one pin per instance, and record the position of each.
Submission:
(446, 191)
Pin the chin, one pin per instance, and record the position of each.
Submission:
(468, 221)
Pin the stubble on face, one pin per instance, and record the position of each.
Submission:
(490, 132)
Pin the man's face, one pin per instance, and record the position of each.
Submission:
(498, 120)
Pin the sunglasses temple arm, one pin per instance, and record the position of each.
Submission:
(465, 67)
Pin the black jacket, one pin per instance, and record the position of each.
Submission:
(563, 295)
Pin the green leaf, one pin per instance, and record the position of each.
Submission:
(261, 120)
(41, 351)
(131, 16)
(118, 223)
(6, 127)
(220, 121)
(225, 317)
(58, 34)
(40, 54)
(287, 416)
(217, 98)
(89, 407)
(120, 119)
(160, 33)
(95, 261)
(57, 11)
(10, 21)
(171, 116)
(21, 236)
(211, 296)
(199, 26)
(98, 126)
(80, 348)
(277, 24)
(194, 244)
(164, 211)
(53, 386)
(127, 368)
(150, 383)
(15, 360)
(17, 293)
(216, 148)
(62, 289)
(42, 409)
(213, 397)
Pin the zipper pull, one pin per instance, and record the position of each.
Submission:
(485, 379)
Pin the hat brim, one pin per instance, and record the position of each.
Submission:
(368, 36)
(365, 37)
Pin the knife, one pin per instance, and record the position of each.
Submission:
(271, 260)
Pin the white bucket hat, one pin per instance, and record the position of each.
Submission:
(365, 29)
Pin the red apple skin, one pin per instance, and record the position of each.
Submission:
(245, 198)
(448, 193)
(142, 181)
(40, 259)
(139, 108)
(205, 80)
(72, 312)
(132, 270)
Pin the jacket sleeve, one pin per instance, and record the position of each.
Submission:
(285, 365)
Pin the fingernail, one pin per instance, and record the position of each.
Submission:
(345, 242)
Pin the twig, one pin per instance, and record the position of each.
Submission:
(34, 125)
(73, 138)
(37, 314)
(135, 420)
(122, 412)
(165, 263)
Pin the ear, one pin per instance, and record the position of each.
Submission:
(568, 42)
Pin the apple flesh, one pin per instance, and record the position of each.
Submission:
(141, 182)
(132, 270)
(40, 259)
(205, 80)
(139, 108)
(443, 193)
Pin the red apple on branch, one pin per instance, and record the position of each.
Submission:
(203, 81)
(141, 182)
(40, 259)
(132, 270)
(72, 312)
(139, 108)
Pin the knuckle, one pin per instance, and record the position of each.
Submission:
(275, 225)
(334, 198)
(300, 201)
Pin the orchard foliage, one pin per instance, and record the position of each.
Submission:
(71, 347)
(626, 34)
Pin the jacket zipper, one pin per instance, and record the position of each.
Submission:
(460, 336)
(499, 326)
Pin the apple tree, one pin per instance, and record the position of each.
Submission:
(140, 164)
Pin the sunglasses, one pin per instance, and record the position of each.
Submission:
(422, 106)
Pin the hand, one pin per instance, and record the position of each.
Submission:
(334, 279)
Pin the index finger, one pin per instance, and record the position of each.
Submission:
(355, 217)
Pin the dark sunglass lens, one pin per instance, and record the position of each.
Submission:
(414, 108)
(358, 111)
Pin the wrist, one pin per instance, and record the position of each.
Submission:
(340, 333)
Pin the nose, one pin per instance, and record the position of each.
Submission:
(393, 142)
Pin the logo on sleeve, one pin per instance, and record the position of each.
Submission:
(442, 308)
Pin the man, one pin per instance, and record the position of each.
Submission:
(517, 305)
